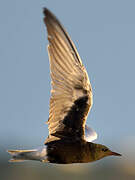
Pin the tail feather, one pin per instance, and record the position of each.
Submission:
(34, 154)
(16, 160)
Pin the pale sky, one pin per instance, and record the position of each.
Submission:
(104, 34)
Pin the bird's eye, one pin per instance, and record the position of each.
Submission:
(104, 149)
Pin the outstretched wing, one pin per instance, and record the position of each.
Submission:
(71, 94)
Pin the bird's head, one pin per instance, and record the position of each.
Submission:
(101, 151)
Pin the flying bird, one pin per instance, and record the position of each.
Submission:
(69, 139)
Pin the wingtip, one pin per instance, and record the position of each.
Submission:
(49, 15)
(46, 11)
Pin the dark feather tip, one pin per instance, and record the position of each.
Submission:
(45, 11)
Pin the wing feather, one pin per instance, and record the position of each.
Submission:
(71, 94)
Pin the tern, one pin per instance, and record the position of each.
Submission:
(69, 139)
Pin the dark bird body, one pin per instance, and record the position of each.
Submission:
(70, 151)
(69, 139)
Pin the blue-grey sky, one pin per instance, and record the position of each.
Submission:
(104, 34)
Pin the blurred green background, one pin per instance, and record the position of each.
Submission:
(104, 33)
